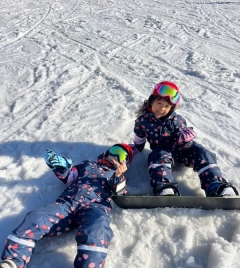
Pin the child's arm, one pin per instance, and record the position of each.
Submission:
(139, 142)
(118, 185)
(62, 167)
(118, 181)
(140, 135)
(183, 134)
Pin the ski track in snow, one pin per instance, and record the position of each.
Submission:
(72, 76)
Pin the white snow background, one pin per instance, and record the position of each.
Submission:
(72, 74)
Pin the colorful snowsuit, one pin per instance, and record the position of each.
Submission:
(163, 137)
(84, 204)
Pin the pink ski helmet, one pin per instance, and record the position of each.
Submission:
(169, 90)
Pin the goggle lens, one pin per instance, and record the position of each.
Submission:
(119, 152)
(168, 91)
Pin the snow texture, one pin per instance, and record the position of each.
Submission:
(72, 76)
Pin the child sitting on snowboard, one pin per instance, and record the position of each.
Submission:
(171, 142)
(85, 204)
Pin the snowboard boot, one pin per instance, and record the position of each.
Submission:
(166, 189)
(6, 263)
(219, 189)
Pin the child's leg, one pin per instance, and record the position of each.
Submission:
(204, 162)
(160, 170)
(20, 244)
(93, 237)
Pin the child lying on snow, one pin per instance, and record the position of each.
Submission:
(84, 204)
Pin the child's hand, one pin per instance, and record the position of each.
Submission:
(54, 161)
(121, 167)
(186, 135)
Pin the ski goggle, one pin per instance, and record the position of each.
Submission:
(167, 91)
(119, 152)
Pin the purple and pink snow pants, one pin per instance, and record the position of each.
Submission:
(202, 161)
(93, 234)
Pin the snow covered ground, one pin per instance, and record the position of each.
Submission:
(72, 74)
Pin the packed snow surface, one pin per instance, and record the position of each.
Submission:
(72, 76)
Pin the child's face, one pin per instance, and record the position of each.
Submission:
(161, 108)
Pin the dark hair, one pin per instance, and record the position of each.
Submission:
(147, 104)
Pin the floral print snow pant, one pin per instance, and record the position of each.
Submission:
(93, 235)
(197, 157)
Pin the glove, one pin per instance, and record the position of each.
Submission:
(54, 161)
(134, 148)
(186, 135)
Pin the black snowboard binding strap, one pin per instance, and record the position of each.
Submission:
(221, 188)
(174, 186)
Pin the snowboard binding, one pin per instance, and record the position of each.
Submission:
(217, 189)
(166, 189)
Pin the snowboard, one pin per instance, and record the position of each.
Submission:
(202, 202)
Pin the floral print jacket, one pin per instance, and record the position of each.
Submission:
(162, 132)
